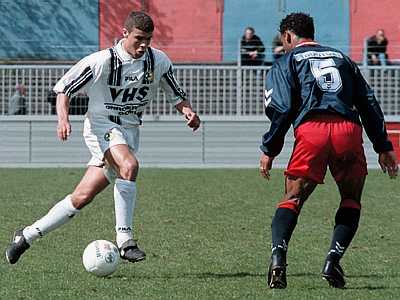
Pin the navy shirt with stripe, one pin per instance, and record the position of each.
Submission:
(315, 79)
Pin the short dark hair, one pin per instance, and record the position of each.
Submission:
(300, 24)
(250, 28)
(139, 20)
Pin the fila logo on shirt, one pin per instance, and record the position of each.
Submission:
(131, 78)
(130, 94)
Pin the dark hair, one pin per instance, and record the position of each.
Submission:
(250, 28)
(300, 24)
(139, 20)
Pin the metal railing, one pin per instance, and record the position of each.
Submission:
(214, 90)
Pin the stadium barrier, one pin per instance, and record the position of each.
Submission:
(222, 95)
(31, 141)
(224, 91)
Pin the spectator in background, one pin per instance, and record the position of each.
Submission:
(251, 49)
(51, 99)
(17, 103)
(277, 47)
(77, 106)
(376, 49)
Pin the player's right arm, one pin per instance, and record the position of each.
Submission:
(78, 79)
(64, 126)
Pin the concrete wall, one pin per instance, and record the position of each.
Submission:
(369, 15)
(111, 19)
(45, 29)
(189, 31)
(163, 143)
(195, 31)
(331, 19)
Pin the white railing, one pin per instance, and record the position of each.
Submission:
(230, 92)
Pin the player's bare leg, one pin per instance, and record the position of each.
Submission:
(283, 224)
(346, 224)
(124, 162)
(92, 183)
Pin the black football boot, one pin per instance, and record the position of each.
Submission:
(333, 273)
(131, 252)
(277, 271)
(17, 247)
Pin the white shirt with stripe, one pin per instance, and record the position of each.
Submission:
(120, 86)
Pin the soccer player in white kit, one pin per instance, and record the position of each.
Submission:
(120, 82)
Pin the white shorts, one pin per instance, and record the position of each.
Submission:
(101, 136)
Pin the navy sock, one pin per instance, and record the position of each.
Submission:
(345, 229)
(282, 226)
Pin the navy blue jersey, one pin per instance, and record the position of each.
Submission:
(316, 79)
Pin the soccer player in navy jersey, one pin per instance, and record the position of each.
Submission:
(321, 93)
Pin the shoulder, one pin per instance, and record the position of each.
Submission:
(278, 70)
(340, 54)
(284, 62)
(162, 62)
(160, 56)
(98, 58)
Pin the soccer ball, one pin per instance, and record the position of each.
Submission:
(101, 258)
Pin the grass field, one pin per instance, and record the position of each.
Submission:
(206, 234)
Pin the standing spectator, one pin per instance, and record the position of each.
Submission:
(277, 47)
(17, 103)
(376, 49)
(78, 105)
(251, 48)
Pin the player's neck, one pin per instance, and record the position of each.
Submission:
(305, 42)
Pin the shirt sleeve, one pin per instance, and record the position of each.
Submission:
(371, 114)
(170, 85)
(278, 108)
(78, 78)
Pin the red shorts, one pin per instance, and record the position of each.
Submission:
(328, 140)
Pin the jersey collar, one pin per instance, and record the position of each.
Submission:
(125, 56)
(307, 44)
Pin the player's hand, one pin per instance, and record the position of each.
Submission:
(388, 162)
(265, 165)
(63, 129)
(193, 120)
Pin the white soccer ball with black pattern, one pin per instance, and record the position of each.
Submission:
(101, 258)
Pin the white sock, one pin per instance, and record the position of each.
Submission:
(58, 215)
(124, 199)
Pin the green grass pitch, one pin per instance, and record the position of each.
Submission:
(206, 234)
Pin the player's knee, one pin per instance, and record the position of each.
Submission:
(351, 189)
(81, 198)
(350, 203)
(129, 169)
(293, 204)
(348, 213)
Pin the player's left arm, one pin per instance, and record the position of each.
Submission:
(278, 108)
(193, 120)
(177, 97)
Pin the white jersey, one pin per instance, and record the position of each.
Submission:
(119, 86)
